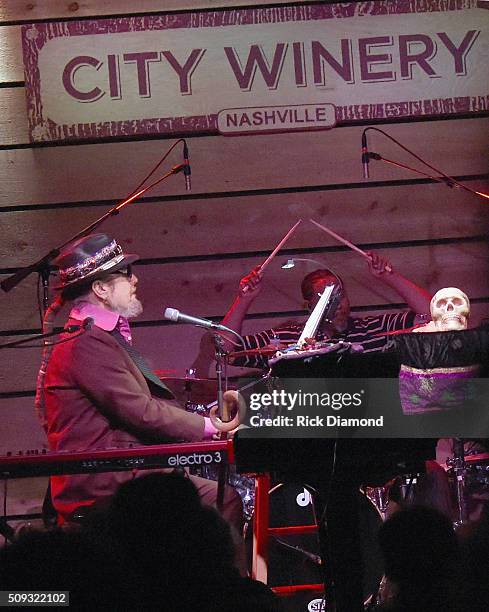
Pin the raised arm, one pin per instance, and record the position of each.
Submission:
(417, 298)
(249, 289)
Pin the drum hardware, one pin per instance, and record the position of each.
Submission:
(477, 476)
(223, 414)
(379, 496)
(408, 484)
(457, 465)
(188, 388)
(477, 469)
(471, 482)
(199, 391)
(264, 351)
(247, 494)
(244, 485)
(316, 559)
(200, 409)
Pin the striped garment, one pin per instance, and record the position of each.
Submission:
(359, 331)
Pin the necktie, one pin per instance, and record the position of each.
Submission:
(142, 365)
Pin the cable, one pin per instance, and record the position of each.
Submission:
(46, 344)
(39, 301)
(158, 165)
(448, 180)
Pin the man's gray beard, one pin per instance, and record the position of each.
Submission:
(134, 309)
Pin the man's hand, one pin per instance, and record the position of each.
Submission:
(417, 298)
(250, 285)
(249, 288)
(378, 265)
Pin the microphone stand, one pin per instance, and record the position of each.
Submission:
(220, 354)
(223, 468)
(223, 414)
(444, 178)
(458, 465)
(43, 265)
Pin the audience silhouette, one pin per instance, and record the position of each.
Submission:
(423, 562)
(155, 547)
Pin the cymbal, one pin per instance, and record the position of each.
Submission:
(201, 389)
(187, 380)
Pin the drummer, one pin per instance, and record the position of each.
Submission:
(336, 325)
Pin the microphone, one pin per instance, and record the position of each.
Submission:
(365, 155)
(179, 317)
(186, 168)
(85, 325)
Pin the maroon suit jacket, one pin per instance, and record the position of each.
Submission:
(97, 398)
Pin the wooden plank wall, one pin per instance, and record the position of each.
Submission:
(246, 193)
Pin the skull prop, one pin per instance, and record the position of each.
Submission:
(450, 309)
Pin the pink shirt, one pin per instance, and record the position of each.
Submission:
(108, 320)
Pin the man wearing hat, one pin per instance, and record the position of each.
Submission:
(95, 391)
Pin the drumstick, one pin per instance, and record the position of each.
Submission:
(279, 246)
(275, 251)
(346, 242)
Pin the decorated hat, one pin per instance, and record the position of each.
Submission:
(89, 258)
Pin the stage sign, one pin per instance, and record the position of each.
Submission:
(252, 70)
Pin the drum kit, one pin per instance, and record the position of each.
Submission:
(198, 395)
(468, 472)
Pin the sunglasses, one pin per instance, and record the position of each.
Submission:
(127, 272)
